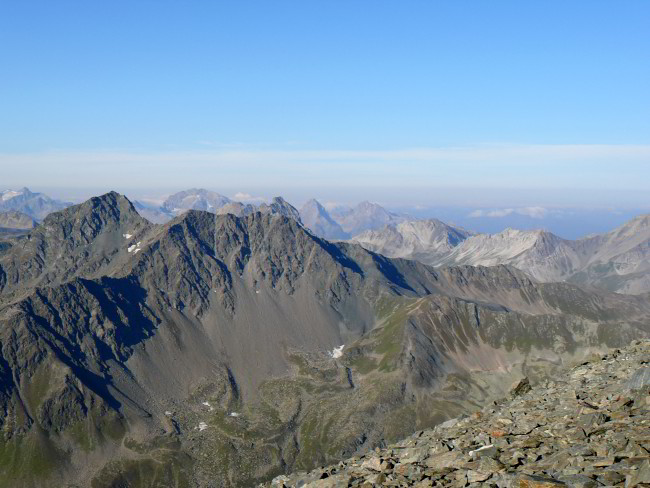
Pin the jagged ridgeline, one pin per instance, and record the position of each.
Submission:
(207, 351)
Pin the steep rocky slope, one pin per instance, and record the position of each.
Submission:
(85, 240)
(619, 260)
(280, 206)
(320, 222)
(587, 427)
(543, 255)
(222, 351)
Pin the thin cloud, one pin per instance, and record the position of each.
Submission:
(485, 166)
(247, 197)
(533, 212)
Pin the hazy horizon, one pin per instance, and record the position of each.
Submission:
(491, 114)
(568, 220)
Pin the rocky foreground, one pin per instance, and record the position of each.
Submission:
(588, 428)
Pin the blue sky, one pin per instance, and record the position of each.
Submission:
(328, 95)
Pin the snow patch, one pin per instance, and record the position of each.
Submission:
(202, 426)
(234, 414)
(337, 352)
(168, 413)
(134, 248)
(127, 236)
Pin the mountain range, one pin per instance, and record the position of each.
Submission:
(616, 261)
(35, 205)
(217, 350)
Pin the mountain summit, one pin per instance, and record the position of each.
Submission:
(366, 216)
(280, 206)
(319, 221)
(425, 240)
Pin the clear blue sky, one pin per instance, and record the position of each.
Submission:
(186, 79)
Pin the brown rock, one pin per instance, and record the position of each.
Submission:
(498, 433)
(530, 481)
(520, 387)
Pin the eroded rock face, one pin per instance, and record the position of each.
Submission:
(587, 427)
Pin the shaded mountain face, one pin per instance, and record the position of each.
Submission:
(35, 205)
(425, 240)
(129, 351)
(194, 199)
(366, 216)
(319, 221)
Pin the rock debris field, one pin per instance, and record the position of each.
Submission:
(589, 427)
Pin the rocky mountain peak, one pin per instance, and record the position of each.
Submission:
(318, 219)
(107, 209)
(367, 216)
(427, 240)
(280, 206)
(77, 241)
(370, 207)
(313, 205)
